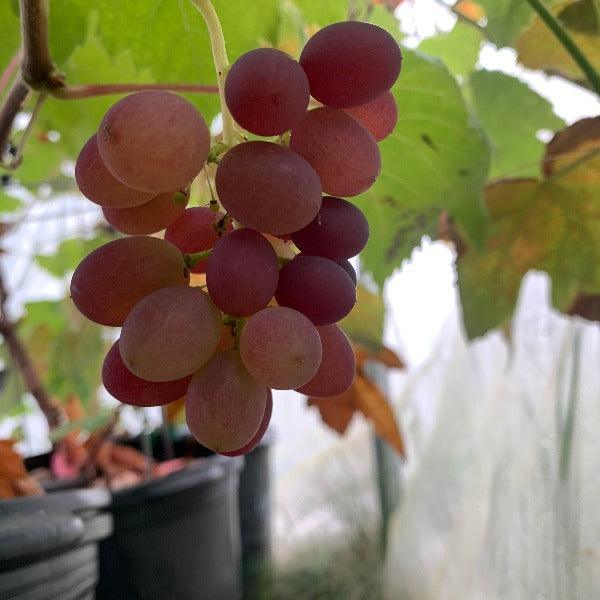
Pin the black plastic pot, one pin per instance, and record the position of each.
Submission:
(177, 537)
(49, 545)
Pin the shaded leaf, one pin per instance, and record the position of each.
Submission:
(549, 225)
(571, 145)
(436, 159)
(364, 325)
(512, 114)
(92, 423)
(586, 306)
(538, 48)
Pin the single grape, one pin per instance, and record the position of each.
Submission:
(224, 405)
(268, 187)
(146, 218)
(337, 369)
(347, 266)
(111, 280)
(341, 151)
(242, 272)
(154, 141)
(126, 387)
(378, 116)
(98, 185)
(350, 63)
(317, 287)
(196, 230)
(266, 91)
(170, 333)
(339, 231)
(262, 429)
(280, 348)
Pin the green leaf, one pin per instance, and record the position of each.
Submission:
(459, 49)
(10, 33)
(538, 48)
(436, 160)
(11, 386)
(512, 114)
(549, 225)
(69, 254)
(8, 203)
(91, 424)
(364, 324)
(505, 19)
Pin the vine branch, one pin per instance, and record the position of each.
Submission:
(219, 51)
(76, 92)
(52, 411)
(11, 67)
(567, 42)
(37, 67)
(8, 111)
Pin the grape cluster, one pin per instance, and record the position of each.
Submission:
(267, 319)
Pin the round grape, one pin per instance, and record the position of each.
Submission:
(339, 231)
(196, 230)
(224, 405)
(262, 429)
(154, 141)
(280, 348)
(337, 369)
(317, 287)
(126, 387)
(342, 152)
(170, 333)
(242, 272)
(146, 218)
(268, 187)
(111, 280)
(266, 91)
(350, 63)
(378, 116)
(347, 266)
(98, 185)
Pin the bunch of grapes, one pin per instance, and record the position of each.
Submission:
(264, 321)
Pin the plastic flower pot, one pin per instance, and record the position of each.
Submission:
(49, 545)
(176, 537)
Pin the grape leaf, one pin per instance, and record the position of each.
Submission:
(516, 151)
(69, 254)
(436, 159)
(549, 225)
(8, 203)
(538, 48)
(10, 40)
(458, 49)
(364, 325)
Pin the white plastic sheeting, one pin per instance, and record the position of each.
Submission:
(503, 498)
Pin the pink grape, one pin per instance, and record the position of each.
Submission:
(280, 348)
(242, 272)
(266, 91)
(337, 369)
(224, 405)
(378, 116)
(317, 287)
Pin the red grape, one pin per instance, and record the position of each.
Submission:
(126, 387)
(266, 91)
(196, 230)
(242, 272)
(341, 151)
(154, 141)
(317, 287)
(339, 231)
(170, 333)
(146, 218)
(337, 369)
(347, 266)
(280, 348)
(258, 436)
(112, 279)
(224, 405)
(98, 185)
(378, 116)
(268, 187)
(350, 63)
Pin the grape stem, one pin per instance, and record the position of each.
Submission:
(191, 260)
(75, 92)
(219, 52)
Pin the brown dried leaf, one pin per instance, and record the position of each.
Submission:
(373, 404)
(336, 412)
(586, 306)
